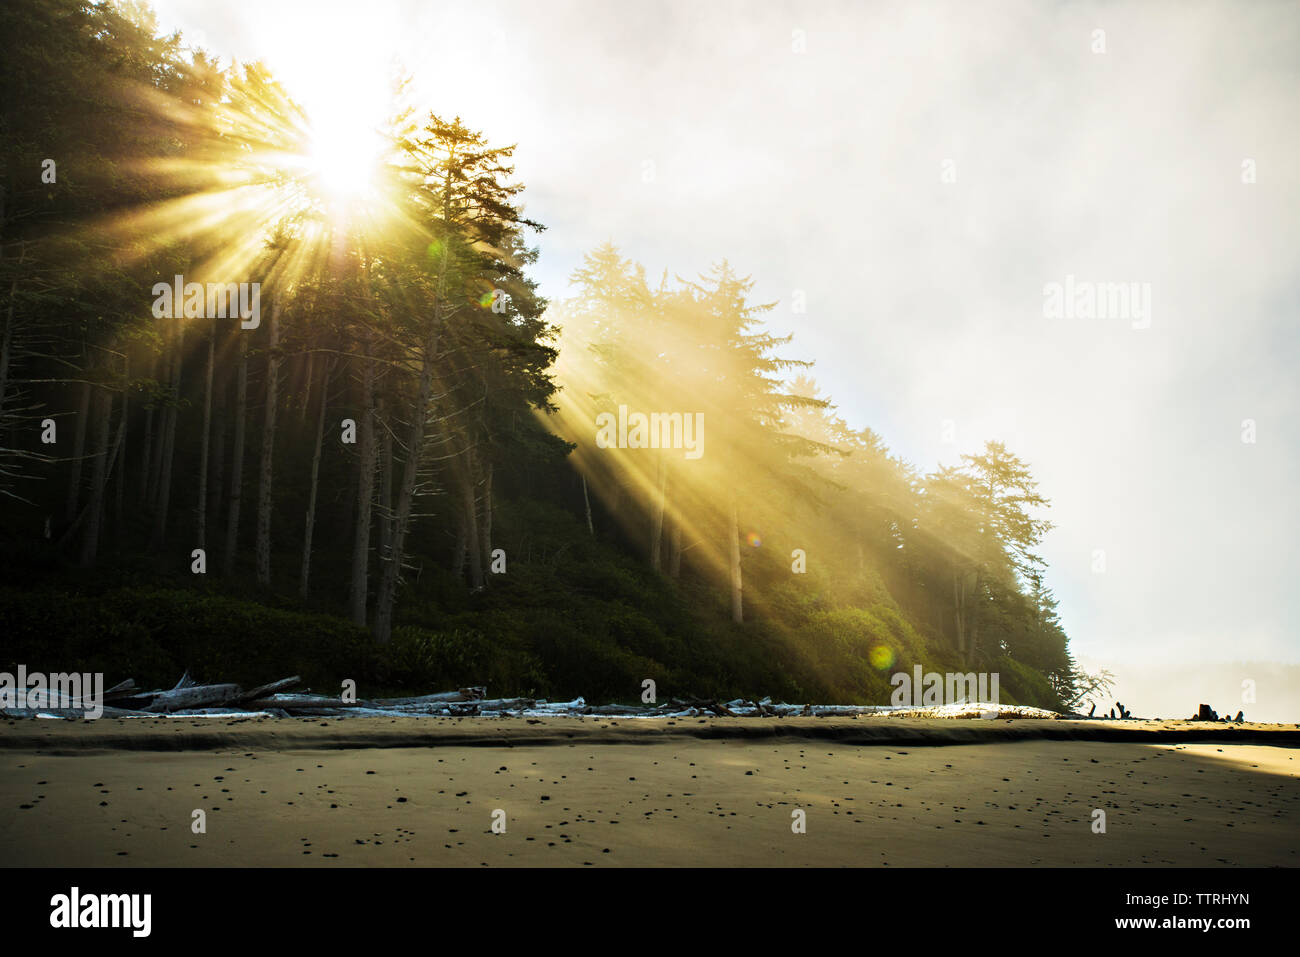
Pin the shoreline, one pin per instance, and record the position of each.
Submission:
(63, 736)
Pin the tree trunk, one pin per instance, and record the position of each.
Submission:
(146, 447)
(315, 475)
(237, 459)
(118, 454)
(162, 378)
(163, 504)
(342, 527)
(737, 609)
(959, 604)
(487, 518)
(119, 486)
(216, 474)
(78, 453)
(202, 524)
(306, 389)
(675, 549)
(586, 501)
(406, 497)
(473, 551)
(385, 486)
(99, 477)
(657, 517)
(7, 341)
(266, 475)
(462, 546)
(365, 492)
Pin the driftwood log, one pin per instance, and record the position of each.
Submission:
(265, 691)
(288, 702)
(196, 696)
(464, 694)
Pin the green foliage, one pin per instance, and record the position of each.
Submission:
(418, 661)
(1020, 684)
(154, 635)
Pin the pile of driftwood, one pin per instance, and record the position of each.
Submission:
(1206, 713)
(1124, 713)
(276, 699)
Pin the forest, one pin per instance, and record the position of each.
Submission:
(395, 474)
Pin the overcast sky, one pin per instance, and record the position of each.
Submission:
(824, 171)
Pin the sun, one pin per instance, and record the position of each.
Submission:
(346, 114)
(339, 71)
(344, 159)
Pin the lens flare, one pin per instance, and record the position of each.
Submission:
(753, 540)
(881, 657)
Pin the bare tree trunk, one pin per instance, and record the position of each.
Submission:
(343, 527)
(406, 496)
(586, 501)
(266, 475)
(365, 492)
(146, 447)
(657, 517)
(119, 487)
(7, 341)
(303, 588)
(675, 549)
(163, 377)
(237, 460)
(202, 530)
(959, 604)
(306, 389)
(737, 609)
(99, 478)
(220, 412)
(385, 486)
(73, 529)
(118, 454)
(462, 546)
(78, 453)
(473, 551)
(163, 504)
(487, 518)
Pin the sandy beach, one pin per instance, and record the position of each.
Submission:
(594, 792)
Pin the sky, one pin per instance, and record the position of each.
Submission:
(916, 174)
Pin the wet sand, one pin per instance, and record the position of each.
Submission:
(594, 792)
